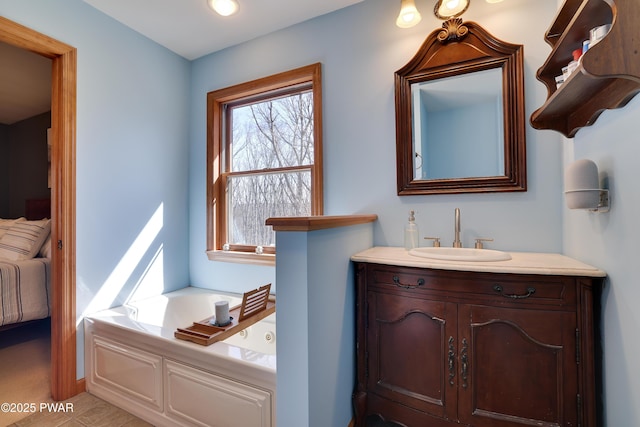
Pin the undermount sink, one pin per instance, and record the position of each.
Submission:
(460, 254)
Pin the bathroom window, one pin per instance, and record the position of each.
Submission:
(264, 154)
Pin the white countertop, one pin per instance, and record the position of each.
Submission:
(520, 263)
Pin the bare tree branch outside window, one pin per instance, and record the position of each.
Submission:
(264, 159)
(270, 171)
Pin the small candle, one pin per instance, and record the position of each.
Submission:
(222, 313)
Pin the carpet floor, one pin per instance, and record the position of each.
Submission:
(25, 371)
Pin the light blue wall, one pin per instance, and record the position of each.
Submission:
(316, 325)
(132, 155)
(360, 48)
(292, 318)
(212, 72)
(610, 242)
(141, 145)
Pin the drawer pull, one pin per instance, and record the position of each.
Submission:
(396, 281)
(530, 291)
(464, 359)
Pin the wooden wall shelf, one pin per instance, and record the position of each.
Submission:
(320, 222)
(609, 72)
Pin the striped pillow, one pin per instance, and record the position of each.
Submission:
(24, 239)
(6, 224)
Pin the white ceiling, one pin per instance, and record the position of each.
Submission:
(191, 29)
(187, 27)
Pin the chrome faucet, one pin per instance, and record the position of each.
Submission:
(456, 242)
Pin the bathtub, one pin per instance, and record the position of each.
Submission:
(133, 361)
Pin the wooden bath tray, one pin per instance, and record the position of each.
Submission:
(256, 305)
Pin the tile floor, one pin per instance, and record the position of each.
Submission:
(25, 368)
(87, 411)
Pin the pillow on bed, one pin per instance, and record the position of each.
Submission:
(24, 239)
(45, 250)
(6, 224)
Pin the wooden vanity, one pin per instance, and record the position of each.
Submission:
(495, 344)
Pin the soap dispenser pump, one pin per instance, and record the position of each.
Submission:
(411, 234)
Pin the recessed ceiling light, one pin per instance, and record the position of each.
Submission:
(224, 7)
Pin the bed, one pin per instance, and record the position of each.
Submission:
(25, 291)
(25, 269)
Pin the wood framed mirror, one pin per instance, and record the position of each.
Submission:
(460, 120)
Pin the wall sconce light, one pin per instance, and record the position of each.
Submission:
(582, 187)
(224, 7)
(409, 15)
(446, 9)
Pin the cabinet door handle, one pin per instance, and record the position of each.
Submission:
(396, 281)
(530, 291)
(464, 359)
(452, 358)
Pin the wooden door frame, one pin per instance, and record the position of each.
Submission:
(63, 201)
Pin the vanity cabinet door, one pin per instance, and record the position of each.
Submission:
(518, 367)
(411, 357)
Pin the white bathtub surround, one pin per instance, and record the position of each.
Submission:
(134, 361)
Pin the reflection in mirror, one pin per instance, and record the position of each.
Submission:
(460, 125)
(443, 111)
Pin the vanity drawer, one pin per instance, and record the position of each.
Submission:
(464, 286)
(522, 289)
(404, 278)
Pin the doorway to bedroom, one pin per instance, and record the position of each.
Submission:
(63, 186)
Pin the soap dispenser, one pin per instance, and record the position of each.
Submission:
(411, 234)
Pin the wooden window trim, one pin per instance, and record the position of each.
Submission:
(216, 176)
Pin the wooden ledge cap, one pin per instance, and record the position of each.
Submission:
(320, 222)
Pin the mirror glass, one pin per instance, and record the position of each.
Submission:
(460, 123)
(443, 111)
